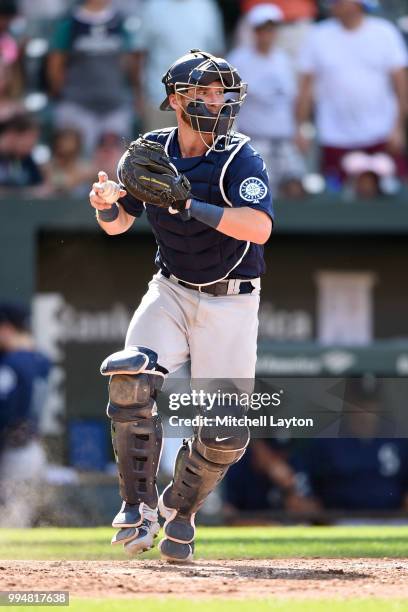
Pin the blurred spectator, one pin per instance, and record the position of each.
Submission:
(110, 148)
(87, 70)
(23, 383)
(363, 468)
(10, 72)
(298, 15)
(293, 10)
(18, 169)
(171, 28)
(356, 473)
(46, 9)
(38, 17)
(354, 65)
(291, 187)
(268, 113)
(67, 173)
(368, 174)
(129, 7)
(264, 480)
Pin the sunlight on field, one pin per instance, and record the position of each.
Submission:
(224, 605)
(214, 543)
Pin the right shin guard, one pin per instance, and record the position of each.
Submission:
(136, 427)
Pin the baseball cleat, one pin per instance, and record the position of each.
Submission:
(144, 539)
(181, 549)
(125, 535)
(175, 552)
(138, 539)
(179, 531)
(128, 516)
(165, 512)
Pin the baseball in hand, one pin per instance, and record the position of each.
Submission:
(109, 191)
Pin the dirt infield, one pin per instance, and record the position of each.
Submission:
(283, 578)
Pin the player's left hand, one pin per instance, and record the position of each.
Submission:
(149, 176)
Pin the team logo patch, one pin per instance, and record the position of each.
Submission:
(253, 190)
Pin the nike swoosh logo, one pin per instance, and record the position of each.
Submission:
(217, 439)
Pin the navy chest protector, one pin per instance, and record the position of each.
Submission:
(190, 250)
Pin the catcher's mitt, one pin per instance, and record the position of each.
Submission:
(147, 174)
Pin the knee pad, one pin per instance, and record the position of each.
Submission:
(223, 447)
(225, 440)
(135, 380)
(136, 426)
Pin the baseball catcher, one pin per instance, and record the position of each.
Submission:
(206, 195)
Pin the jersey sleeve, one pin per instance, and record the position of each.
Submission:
(131, 205)
(129, 30)
(247, 184)
(397, 55)
(61, 37)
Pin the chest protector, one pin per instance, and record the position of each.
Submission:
(190, 250)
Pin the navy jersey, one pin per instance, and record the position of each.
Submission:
(23, 381)
(94, 77)
(23, 172)
(190, 250)
(357, 474)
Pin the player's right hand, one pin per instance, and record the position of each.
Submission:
(95, 196)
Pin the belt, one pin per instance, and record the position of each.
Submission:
(232, 286)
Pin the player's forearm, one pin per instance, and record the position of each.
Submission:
(119, 225)
(240, 223)
(246, 224)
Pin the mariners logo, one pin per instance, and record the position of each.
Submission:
(253, 190)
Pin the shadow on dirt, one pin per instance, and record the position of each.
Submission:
(196, 570)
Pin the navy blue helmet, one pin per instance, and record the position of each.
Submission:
(200, 69)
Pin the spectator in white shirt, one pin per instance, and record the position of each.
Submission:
(268, 113)
(353, 66)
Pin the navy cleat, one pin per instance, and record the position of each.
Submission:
(179, 530)
(128, 516)
(138, 539)
(175, 552)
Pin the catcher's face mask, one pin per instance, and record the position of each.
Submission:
(212, 94)
(211, 109)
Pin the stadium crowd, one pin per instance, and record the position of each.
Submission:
(79, 79)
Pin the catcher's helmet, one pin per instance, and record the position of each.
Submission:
(199, 68)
